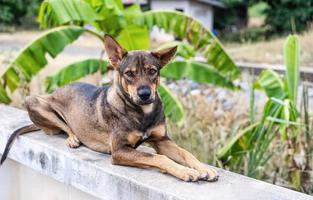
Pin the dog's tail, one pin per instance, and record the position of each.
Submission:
(15, 134)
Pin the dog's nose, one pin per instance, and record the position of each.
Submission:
(144, 92)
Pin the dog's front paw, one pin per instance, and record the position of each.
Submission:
(72, 141)
(207, 174)
(188, 174)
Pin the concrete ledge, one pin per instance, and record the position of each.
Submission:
(93, 173)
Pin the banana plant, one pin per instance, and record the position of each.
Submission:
(68, 20)
(280, 116)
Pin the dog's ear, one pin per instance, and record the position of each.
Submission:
(165, 55)
(114, 50)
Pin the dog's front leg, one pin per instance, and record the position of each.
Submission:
(123, 154)
(180, 155)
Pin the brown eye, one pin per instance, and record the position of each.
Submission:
(129, 74)
(152, 71)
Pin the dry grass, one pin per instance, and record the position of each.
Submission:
(271, 51)
(210, 122)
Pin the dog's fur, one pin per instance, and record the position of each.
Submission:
(114, 119)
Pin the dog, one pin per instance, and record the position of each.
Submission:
(117, 118)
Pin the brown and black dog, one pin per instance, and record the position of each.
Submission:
(118, 118)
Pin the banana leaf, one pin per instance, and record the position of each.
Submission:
(59, 12)
(202, 39)
(127, 35)
(32, 58)
(292, 62)
(173, 109)
(74, 72)
(183, 49)
(271, 83)
(199, 72)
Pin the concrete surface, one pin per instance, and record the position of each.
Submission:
(18, 182)
(93, 173)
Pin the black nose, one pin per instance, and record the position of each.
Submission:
(144, 92)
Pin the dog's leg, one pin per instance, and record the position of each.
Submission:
(45, 117)
(123, 154)
(180, 155)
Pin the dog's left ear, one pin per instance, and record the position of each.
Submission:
(114, 50)
(165, 55)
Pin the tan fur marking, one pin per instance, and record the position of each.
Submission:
(158, 131)
(147, 108)
(133, 138)
(132, 91)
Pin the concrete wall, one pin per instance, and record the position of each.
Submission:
(18, 182)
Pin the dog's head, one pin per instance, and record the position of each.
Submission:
(137, 72)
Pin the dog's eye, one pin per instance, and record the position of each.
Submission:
(152, 71)
(129, 73)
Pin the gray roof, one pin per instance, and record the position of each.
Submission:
(216, 3)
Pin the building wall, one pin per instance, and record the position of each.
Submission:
(203, 12)
(170, 5)
(18, 182)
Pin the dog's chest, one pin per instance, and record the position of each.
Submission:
(136, 138)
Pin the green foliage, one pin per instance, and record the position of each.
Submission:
(292, 61)
(258, 10)
(173, 109)
(55, 13)
(199, 72)
(281, 15)
(280, 115)
(74, 72)
(33, 57)
(132, 31)
(289, 15)
(184, 50)
(18, 12)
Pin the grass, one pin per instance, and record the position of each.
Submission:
(210, 121)
(270, 51)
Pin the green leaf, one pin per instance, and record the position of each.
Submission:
(74, 72)
(292, 62)
(202, 39)
(196, 71)
(173, 109)
(32, 58)
(183, 49)
(59, 12)
(271, 83)
(134, 37)
(3, 96)
(236, 144)
(112, 13)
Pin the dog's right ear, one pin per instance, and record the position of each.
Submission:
(114, 50)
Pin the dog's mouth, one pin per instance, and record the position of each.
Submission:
(146, 102)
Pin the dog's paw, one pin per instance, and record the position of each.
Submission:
(72, 141)
(207, 174)
(188, 174)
